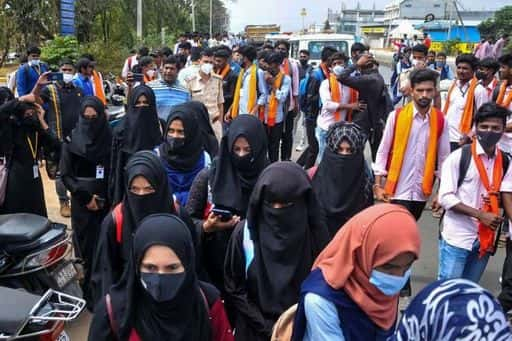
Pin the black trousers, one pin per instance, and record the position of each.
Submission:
(454, 146)
(308, 157)
(287, 144)
(274, 135)
(375, 138)
(505, 296)
(416, 208)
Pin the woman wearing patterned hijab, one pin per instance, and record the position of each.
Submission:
(455, 309)
(342, 182)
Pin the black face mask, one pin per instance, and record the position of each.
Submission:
(142, 205)
(30, 122)
(424, 102)
(162, 287)
(243, 163)
(303, 62)
(480, 75)
(488, 139)
(176, 144)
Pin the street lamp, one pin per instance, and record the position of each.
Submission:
(303, 14)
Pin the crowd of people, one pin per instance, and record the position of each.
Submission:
(193, 222)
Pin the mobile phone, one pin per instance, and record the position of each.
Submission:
(224, 215)
(55, 76)
(100, 202)
(138, 77)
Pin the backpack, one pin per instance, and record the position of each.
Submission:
(283, 328)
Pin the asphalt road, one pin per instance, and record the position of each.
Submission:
(424, 270)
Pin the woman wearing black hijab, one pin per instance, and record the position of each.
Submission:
(227, 185)
(24, 133)
(271, 253)
(160, 297)
(139, 130)
(200, 112)
(84, 167)
(342, 182)
(183, 151)
(146, 192)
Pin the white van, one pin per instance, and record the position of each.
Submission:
(314, 43)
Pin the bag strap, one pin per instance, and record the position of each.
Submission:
(465, 160)
(111, 319)
(117, 216)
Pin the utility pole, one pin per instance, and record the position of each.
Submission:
(193, 16)
(139, 19)
(303, 14)
(211, 18)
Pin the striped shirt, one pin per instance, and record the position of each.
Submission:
(167, 96)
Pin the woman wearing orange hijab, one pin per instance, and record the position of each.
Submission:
(352, 292)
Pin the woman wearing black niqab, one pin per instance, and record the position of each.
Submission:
(117, 229)
(84, 167)
(200, 112)
(271, 253)
(159, 296)
(23, 134)
(139, 130)
(227, 185)
(342, 182)
(183, 151)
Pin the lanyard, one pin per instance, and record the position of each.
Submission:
(33, 150)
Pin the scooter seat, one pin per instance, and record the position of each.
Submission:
(22, 227)
(15, 307)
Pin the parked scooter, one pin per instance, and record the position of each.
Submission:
(32, 317)
(35, 254)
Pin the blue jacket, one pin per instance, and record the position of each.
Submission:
(27, 76)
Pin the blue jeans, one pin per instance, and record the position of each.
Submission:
(321, 136)
(455, 262)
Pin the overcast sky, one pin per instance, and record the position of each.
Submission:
(287, 12)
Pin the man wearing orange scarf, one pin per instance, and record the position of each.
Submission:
(465, 96)
(339, 102)
(414, 145)
(278, 85)
(502, 96)
(473, 203)
(229, 77)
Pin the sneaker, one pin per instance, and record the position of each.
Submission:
(65, 210)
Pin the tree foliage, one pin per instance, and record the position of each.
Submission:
(499, 24)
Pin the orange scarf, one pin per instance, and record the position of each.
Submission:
(325, 70)
(403, 124)
(336, 97)
(486, 235)
(501, 100)
(252, 90)
(285, 67)
(225, 71)
(469, 109)
(273, 103)
(98, 87)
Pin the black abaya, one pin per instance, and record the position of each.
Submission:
(84, 170)
(183, 317)
(139, 130)
(24, 192)
(286, 242)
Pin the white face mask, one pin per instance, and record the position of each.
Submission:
(67, 78)
(338, 69)
(150, 73)
(207, 68)
(415, 62)
(34, 62)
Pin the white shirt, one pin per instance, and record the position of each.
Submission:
(409, 186)
(329, 107)
(458, 99)
(128, 65)
(506, 141)
(461, 230)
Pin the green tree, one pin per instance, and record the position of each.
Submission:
(58, 48)
(500, 23)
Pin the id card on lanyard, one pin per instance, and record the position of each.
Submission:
(100, 172)
(33, 151)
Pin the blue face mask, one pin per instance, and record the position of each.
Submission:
(390, 285)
